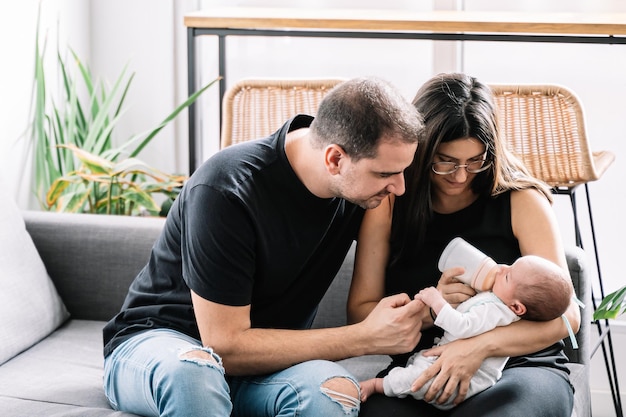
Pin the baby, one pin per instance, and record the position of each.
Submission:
(532, 288)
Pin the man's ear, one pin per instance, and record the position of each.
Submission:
(518, 308)
(334, 156)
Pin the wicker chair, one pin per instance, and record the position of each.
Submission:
(544, 126)
(254, 108)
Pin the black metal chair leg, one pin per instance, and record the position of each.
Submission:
(605, 339)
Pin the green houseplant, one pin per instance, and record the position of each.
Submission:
(100, 185)
(76, 166)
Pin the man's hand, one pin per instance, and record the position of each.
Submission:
(458, 361)
(394, 325)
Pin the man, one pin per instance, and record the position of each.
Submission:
(218, 322)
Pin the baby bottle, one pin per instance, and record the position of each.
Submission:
(478, 266)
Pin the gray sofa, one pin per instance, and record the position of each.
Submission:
(91, 260)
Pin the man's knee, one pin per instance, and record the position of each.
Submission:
(343, 390)
(201, 356)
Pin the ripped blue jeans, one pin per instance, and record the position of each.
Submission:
(152, 374)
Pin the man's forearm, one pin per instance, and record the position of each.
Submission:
(260, 351)
(392, 327)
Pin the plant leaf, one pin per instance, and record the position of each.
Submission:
(101, 125)
(56, 190)
(163, 186)
(94, 163)
(77, 201)
(611, 306)
(143, 199)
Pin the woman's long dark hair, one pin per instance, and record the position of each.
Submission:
(453, 106)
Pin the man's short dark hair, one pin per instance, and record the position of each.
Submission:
(358, 112)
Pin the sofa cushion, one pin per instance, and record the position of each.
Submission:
(30, 306)
(61, 375)
(113, 249)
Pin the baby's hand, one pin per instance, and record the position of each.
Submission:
(432, 298)
(429, 295)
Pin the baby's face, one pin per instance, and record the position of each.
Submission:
(505, 283)
(508, 278)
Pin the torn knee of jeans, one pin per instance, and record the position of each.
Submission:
(201, 356)
(344, 391)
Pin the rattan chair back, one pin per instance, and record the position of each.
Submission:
(544, 126)
(255, 108)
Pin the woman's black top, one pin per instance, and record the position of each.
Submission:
(486, 224)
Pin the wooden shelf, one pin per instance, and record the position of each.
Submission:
(610, 24)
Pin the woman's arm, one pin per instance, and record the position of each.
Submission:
(372, 252)
(536, 228)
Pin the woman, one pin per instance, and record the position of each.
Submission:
(463, 182)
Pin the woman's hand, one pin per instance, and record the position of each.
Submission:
(453, 290)
(458, 361)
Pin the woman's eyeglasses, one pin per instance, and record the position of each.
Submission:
(474, 167)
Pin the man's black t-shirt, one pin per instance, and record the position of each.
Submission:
(244, 231)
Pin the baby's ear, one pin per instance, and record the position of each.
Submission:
(518, 308)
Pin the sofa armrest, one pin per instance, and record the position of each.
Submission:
(92, 258)
(577, 263)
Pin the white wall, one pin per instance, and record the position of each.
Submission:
(15, 84)
(310, 57)
(142, 34)
(61, 20)
(149, 36)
